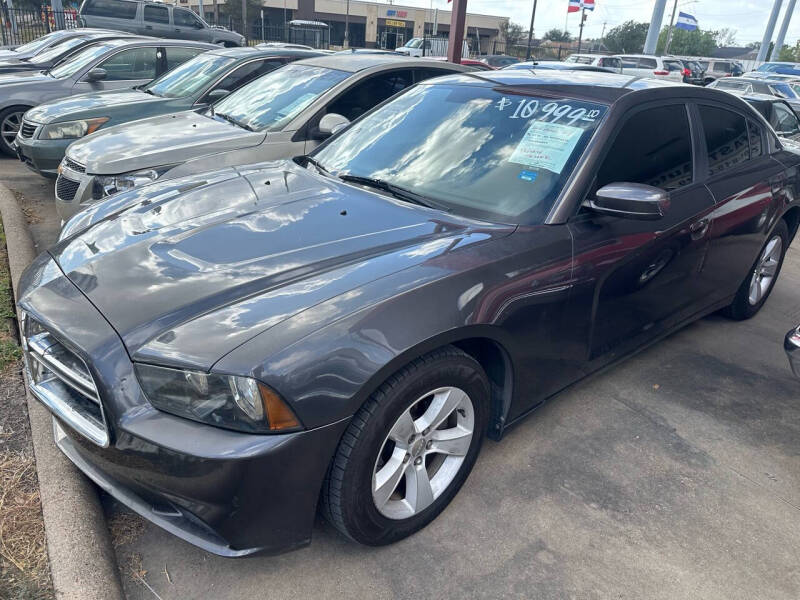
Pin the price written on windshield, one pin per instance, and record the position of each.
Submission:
(554, 111)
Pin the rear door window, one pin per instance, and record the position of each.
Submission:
(120, 9)
(186, 18)
(662, 158)
(156, 14)
(726, 138)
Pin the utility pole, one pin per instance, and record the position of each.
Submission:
(347, 26)
(244, 20)
(655, 27)
(530, 33)
(773, 18)
(458, 18)
(580, 31)
(776, 51)
(671, 24)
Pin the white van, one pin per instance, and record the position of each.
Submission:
(431, 46)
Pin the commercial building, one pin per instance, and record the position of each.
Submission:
(370, 24)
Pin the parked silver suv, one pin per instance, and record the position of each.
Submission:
(154, 18)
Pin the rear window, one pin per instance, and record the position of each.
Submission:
(121, 9)
(648, 63)
(156, 14)
(726, 138)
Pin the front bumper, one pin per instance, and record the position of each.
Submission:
(73, 190)
(792, 346)
(228, 492)
(42, 156)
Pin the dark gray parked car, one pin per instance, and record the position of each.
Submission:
(285, 113)
(108, 65)
(223, 350)
(205, 78)
(154, 18)
(51, 56)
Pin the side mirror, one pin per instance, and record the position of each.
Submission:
(217, 94)
(330, 124)
(792, 346)
(96, 74)
(630, 201)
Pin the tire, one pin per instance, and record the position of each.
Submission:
(10, 121)
(447, 379)
(754, 290)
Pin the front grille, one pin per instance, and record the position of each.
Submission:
(62, 381)
(27, 130)
(66, 188)
(72, 165)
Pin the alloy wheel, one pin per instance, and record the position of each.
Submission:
(765, 270)
(9, 127)
(423, 452)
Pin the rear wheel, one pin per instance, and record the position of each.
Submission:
(409, 449)
(10, 122)
(760, 280)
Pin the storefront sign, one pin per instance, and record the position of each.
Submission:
(393, 23)
(397, 13)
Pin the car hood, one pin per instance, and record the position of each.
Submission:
(185, 277)
(8, 80)
(157, 141)
(94, 103)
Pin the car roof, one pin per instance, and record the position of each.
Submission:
(143, 40)
(246, 51)
(353, 63)
(601, 87)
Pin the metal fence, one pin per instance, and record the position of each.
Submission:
(539, 51)
(20, 26)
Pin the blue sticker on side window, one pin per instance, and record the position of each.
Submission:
(528, 175)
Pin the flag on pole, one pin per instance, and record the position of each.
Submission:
(576, 5)
(686, 21)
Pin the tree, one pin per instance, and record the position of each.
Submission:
(790, 53)
(557, 35)
(628, 37)
(726, 37)
(691, 43)
(512, 33)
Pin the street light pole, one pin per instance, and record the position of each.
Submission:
(580, 31)
(530, 33)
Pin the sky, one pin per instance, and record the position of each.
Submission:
(747, 17)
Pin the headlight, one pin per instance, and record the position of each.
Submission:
(71, 129)
(105, 185)
(227, 401)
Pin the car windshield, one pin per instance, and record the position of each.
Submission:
(414, 43)
(770, 67)
(475, 150)
(56, 51)
(272, 101)
(82, 59)
(782, 90)
(36, 44)
(190, 77)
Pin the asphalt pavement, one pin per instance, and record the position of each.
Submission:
(675, 474)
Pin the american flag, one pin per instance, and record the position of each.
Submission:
(576, 5)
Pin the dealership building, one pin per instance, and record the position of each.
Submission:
(371, 24)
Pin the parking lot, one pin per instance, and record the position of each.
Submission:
(675, 474)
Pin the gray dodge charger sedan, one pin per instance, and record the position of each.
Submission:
(223, 350)
(283, 114)
(205, 78)
(107, 65)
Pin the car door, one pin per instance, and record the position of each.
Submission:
(156, 20)
(639, 278)
(743, 178)
(124, 69)
(186, 25)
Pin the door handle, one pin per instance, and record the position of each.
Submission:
(148, 26)
(698, 229)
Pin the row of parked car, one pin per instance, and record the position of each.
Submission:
(290, 281)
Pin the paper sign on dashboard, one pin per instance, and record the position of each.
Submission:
(546, 146)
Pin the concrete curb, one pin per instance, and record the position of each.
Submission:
(82, 560)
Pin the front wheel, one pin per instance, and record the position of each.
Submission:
(757, 286)
(409, 449)
(10, 122)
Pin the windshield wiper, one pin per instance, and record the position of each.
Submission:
(315, 162)
(233, 121)
(398, 192)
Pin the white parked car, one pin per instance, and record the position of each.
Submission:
(596, 60)
(655, 67)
